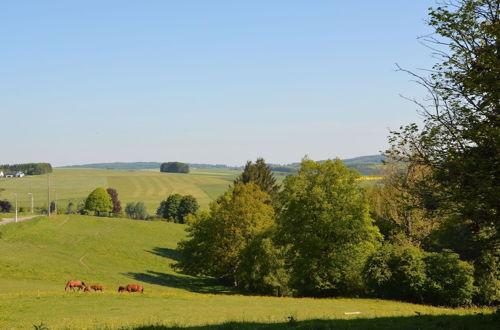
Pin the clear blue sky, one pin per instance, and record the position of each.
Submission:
(205, 81)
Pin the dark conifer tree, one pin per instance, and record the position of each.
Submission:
(260, 174)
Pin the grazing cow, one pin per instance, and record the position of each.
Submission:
(131, 288)
(75, 284)
(93, 287)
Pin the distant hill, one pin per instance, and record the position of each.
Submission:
(366, 165)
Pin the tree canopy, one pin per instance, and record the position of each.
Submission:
(327, 229)
(217, 238)
(174, 167)
(99, 201)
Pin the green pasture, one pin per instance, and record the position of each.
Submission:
(148, 186)
(38, 256)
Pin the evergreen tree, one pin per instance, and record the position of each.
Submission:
(260, 174)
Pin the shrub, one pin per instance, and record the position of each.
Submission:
(136, 210)
(5, 206)
(487, 279)
(450, 281)
(395, 272)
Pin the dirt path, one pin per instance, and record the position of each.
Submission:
(9, 220)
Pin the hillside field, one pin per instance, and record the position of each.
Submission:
(148, 186)
(38, 256)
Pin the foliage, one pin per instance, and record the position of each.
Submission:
(117, 206)
(450, 280)
(188, 205)
(410, 274)
(171, 207)
(398, 273)
(28, 169)
(261, 174)
(262, 269)
(327, 229)
(216, 239)
(174, 167)
(5, 206)
(460, 138)
(398, 212)
(136, 211)
(99, 201)
(177, 207)
(487, 279)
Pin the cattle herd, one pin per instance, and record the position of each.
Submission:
(80, 285)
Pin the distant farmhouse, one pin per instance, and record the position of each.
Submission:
(17, 175)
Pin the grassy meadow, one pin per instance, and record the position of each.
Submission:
(148, 186)
(38, 256)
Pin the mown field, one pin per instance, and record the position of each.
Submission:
(148, 186)
(38, 256)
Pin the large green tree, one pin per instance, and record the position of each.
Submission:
(459, 140)
(326, 227)
(99, 201)
(217, 238)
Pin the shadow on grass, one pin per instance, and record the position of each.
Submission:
(193, 284)
(438, 322)
(166, 253)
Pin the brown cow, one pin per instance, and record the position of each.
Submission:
(131, 288)
(93, 287)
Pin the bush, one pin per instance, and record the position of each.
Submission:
(136, 211)
(5, 206)
(450, 281)
(395, 272)
(487, 280)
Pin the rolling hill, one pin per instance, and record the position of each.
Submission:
(38, 256)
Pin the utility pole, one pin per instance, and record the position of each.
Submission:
(48, 194)
(32, 202)
(16, 206)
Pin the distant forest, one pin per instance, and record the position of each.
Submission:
(366, 165)
(28, 168)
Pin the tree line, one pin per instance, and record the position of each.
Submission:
(28, 168)
(427, 234)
